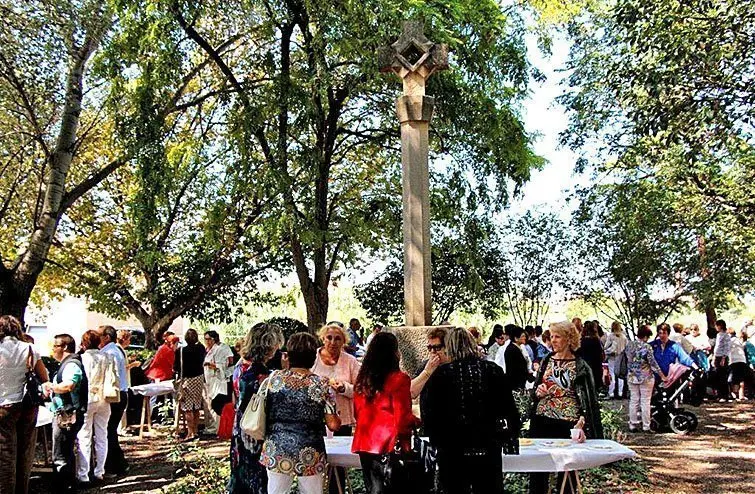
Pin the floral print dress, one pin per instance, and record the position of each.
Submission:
(296, 407)
(247, 475)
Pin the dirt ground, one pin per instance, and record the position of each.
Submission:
(718, 458)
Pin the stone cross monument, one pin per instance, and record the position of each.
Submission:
(414, 59)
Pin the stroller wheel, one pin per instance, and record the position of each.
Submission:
(692, 418)
(681, 424)
(655, 426)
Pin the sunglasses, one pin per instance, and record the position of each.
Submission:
(58, 346)
(435, 348)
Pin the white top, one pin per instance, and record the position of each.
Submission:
(13, 358)
(95, 367)
(699, 342)
(120, 363)
(737, 353)
(217, 379)
(615, 345)
(499, 358)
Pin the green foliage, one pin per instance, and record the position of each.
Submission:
(535, 262)
(459, 277)
(643, 255)
(663, 94)
(196, 471)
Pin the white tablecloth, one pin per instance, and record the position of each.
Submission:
(557, 456)
(154, 389)
(44, 417)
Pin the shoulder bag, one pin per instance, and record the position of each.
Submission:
(623, 369)
(409, 471)
(111, 389)
(253, 420)
(178, 381)
(33, 395)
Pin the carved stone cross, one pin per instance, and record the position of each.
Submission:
(414, 58)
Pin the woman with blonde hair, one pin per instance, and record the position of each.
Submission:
(616, 342)
(341, 370)
(565, 397)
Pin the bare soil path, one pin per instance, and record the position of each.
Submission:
(718, 458)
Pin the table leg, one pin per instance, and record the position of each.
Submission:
(46, 446)
(332, 474)
(575, 485)
(145, 416)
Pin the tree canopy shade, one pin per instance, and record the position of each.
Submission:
(49, 112)
(306, 102)
(642, 254)
(663, 91)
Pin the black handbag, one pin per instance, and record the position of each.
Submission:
(623, 369)
(409, 471)
(33, 394)
(508, 437)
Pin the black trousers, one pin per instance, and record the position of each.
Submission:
(372, 472)
(63, 455)
(546, 427)
(722, 377)
(479, 472)
(339, 472)
(116, 461)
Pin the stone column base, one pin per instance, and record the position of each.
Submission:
(412, 343)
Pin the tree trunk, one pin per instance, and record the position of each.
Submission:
(316, 300)
(18, 282)
(14, 296)
(154, 333)
(710, 319)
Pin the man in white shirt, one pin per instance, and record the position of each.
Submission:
(116, 461)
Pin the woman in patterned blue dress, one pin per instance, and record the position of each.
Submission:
(298, 404)
(248, 476)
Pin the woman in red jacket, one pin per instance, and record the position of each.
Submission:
(383, 408)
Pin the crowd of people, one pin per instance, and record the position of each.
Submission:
(473, 397)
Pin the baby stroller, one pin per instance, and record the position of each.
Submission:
(664, 412)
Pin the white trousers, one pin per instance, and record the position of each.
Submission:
(211, 419)
(639, 404)
(95, 422)
(280, 483)
(613, 367)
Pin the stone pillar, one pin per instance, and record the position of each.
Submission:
(414, 58)
(414, 113)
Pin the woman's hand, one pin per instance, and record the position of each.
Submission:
(542, 391)
(338, 386)
(432, 363)
(581, 426)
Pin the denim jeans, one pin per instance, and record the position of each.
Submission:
(63, 454)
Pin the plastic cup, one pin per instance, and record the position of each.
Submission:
(575, 433)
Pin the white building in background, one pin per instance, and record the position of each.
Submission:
(71, 315)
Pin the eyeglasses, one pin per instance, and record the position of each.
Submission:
(331, 337)
(435, 348)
